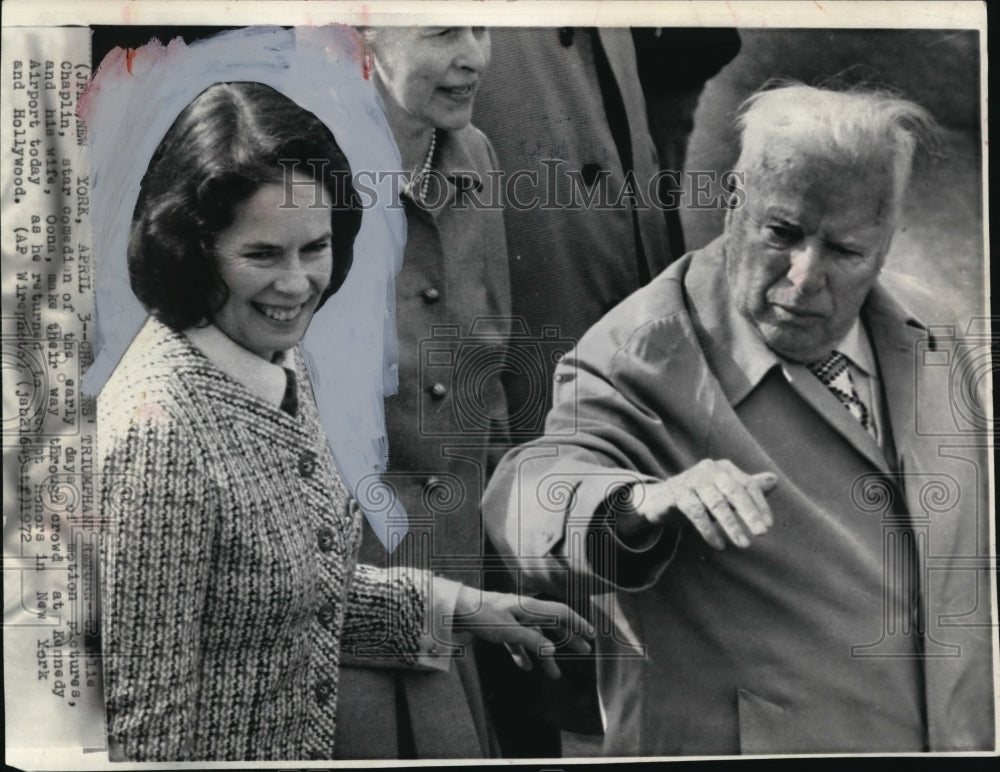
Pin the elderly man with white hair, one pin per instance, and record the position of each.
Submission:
(734, 480)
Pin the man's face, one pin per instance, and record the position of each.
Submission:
(804, 251)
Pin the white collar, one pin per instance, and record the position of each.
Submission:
(264, 379)
(856, 347)
(755, 358)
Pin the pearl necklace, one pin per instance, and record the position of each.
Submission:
(423, 176)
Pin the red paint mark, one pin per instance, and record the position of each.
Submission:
(368, 58)
(362, 53)
(112, 63)
(819, 6)
(129, 56)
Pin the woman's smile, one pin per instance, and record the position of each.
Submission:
(459, 93)
(275, 260)
(279, 313)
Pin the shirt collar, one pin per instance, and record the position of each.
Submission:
(755, 358)
(856, 346)
(264, 379)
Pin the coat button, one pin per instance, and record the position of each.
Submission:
(307, 464)
(432, 482)
(324, 691)
(566, 35)
(324, 539)
(326, 615)
(430, 295)
(438, 390)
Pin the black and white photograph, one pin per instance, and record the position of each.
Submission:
(547, 383)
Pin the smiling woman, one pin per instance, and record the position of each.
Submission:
(276, 260)
(203, 182)
(230, 573)
(428, 77)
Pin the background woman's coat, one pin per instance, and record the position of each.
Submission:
(447, 429)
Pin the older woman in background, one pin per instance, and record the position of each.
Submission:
(447, 425)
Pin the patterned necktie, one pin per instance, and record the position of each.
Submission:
(836, 376)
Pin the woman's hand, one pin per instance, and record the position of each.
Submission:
(526, 626)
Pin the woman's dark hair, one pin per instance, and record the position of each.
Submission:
(232, 139)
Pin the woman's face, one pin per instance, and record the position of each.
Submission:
(431, 74)
(275, 258)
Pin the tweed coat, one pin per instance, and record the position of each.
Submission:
(230, 576)
(446, 431)
(859, 622)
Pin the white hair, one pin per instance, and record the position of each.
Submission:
(860, 127)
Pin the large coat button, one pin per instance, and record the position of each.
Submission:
(307, 464)
(566, 35)
(324, 539)
(430, 295)
(438, 390)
